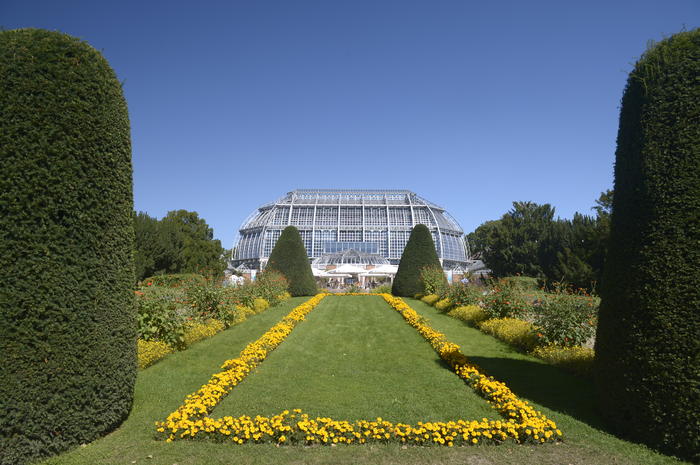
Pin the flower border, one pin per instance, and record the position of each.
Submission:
(522, 423)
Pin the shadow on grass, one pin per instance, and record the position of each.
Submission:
(547, 385)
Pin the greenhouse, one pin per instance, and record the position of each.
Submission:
(332, 221)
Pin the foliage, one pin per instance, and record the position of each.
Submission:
(181, 242)
(471, 314)
(149, 352)
(196, 331)
(647, 362)
(506, 301)
(518, 333)
(430, 299)
(175, 280)
(271, 285)
(159, 320)
(260, 305)
(565, 318)
(67, 337)
(419, 253)
(433, 279)
(443, 305)
(383, 289)
(290, 259)
(464, 294)
(575, 359)
(521, 283)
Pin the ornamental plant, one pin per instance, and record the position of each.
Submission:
(565, 319)
(462, 294)
(68, 320)
(506, 301)
(434, 281)
(290, 259)
(418, 254)
(647, 364)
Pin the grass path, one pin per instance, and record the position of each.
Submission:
(160, 390)
(355, 358)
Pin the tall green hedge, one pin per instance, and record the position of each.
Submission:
(289, 258)
(67, 316)
(648, 340)
(418, 253)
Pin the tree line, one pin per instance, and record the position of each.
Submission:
(528, 240)
(181, 242)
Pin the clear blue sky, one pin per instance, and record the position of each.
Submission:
(472, 105)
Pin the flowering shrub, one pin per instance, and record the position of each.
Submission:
(430, 299)
(521, 422)
(443, 305)
(149, 352)
(505, 301)
(515, 332)
(260, 305)
(196, 331)
(471, 314)
(433, 279)
(576, 359)
(270, 285)
(565, 319)
(160, 320)
(462, 294)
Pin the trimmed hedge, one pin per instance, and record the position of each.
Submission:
(68, 321)
(647, 347)
(418, 254)
(289, 258)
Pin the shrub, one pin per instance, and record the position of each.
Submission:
(518, 333)
(260, 305)
(443, 305)
(284, 296)
(472, 314)
(430, 299)
(418, 254)
(647, 364)
(383, 289)
(521, 283)
(68, 332)
(464, 294)
(149, 352)
(196, 331)
(504, 301)
(576, 359)
(433, 279)
(565, 319)
(270, 285)
(175, 280)
(205, 298)
(290, 259)
(159, 320)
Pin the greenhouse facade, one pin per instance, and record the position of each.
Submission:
(332, 221)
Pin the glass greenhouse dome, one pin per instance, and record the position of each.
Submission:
(375, 222)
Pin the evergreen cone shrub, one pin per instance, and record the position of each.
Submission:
(648, 347)
(418, 254)
(68, 326)
(289, 258)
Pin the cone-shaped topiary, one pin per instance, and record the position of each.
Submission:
(648, 341)
(418, 254)
(67, 315)
(289, 258)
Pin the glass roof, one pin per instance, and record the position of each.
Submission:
(350, 256)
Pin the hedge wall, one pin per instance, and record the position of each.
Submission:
(419, 253)
(289, 258)
(648, 341)
(67, 329)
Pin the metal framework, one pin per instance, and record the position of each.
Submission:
(333, 220)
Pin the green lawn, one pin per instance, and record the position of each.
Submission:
(401, 361)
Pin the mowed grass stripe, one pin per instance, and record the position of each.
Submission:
(356, 358)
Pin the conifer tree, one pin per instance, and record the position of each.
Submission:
(418, 254)
(289, 258)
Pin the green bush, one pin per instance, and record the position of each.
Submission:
(270, 285)
(433, 279)
(578, 360)
(430, 299)
(68, 332)
(443, 305)
(647, 346)
(505, 301)
(518, 333)
(418, 254)
(175, 280)
(521, 283)
(462, 294)
(565, 319)
(289, 258)
(159, 320)
(383, 289)
(471, 314)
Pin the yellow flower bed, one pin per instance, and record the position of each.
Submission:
(430, 299)
(260, 305)
(443, 304)
(577, 359)
(195, 332)
(471, 314)
(521, 422)
(149, 352)
(513, 331)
